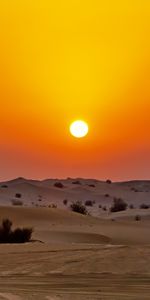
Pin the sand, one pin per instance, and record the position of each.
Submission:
(74, 256)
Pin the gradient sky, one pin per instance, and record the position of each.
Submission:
(67, 60)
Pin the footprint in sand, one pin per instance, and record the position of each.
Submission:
(8, 296)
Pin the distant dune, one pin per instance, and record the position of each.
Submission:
(36, 193)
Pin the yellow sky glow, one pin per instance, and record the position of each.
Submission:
(67, 60)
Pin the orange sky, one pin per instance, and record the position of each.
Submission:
(67, 60)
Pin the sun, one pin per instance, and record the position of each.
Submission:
(79, 129)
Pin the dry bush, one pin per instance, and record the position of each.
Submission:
(18, 195)
(19, 235)
(131, 206)
(59, 185)
(104, 208)
(137, 218)
(65, 201)
(4, 186)
(53, 205)
(79, 208)
(144, 206)
(118, 205)
(91, 185)
(89, 203)
(17, 202)
(108, 181)
(76, 182)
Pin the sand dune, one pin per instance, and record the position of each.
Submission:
(44, 193)
(72, 256)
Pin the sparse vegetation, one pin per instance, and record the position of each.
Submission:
(40, 198)
(19, 235)
(53, 205)
(89, 203)
(18, 195)
(17, 202)
(137, 218)
(131, 206)
(108, 181)
(134, 190)
(100, 206)
(4, 186)
(104, 208)
(118, 205)
(65, 201)
(79, 208)
(59, 185)
(76, 182)
(107, 195)
(91, 185)
(144, 206)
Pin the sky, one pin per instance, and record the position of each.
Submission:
(66, 60)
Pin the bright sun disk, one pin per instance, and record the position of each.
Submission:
(79, 129)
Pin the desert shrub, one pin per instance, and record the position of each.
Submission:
(104, 208)
(100, 206)
(91, 185)
(76, 182)
(65, 201)
(59, 185)
(118, 205)
(108, 181)
(4, 186)
(18, 195)
(107, 195)
(53, 205)
(134, 190)
(16, 202)
(40, 198)
(131, 206)
(19, 235)
(144, 206)
(5, 231)
(137, 218)
(89, 203)
(79, 208)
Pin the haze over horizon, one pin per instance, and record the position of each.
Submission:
(64, 61)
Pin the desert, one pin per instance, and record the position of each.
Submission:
(101, 255)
